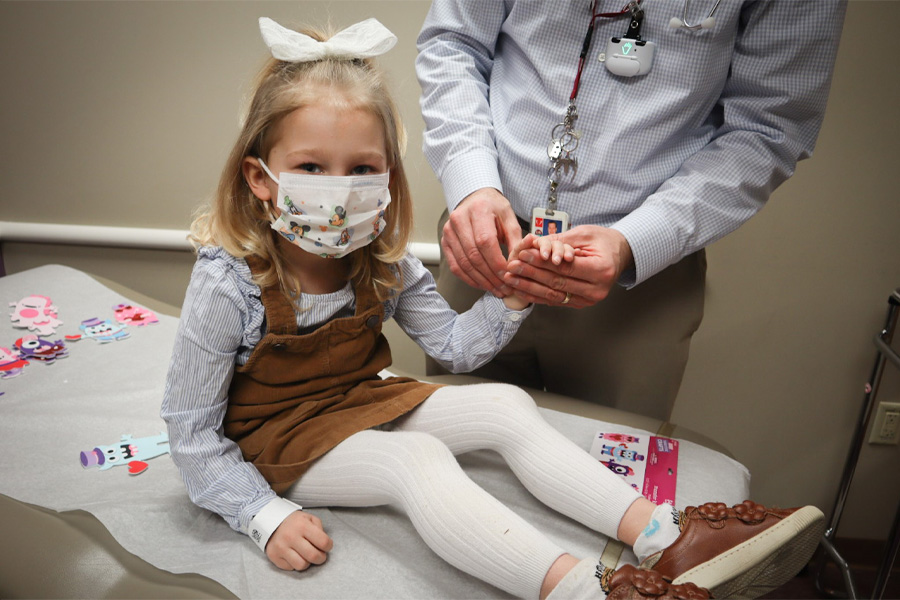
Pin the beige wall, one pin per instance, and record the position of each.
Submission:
(121, 114)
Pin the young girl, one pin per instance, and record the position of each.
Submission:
(273, 395)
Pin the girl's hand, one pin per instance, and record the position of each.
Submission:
(525, 243)
(300, 541)
(513, 302)
(550, 248)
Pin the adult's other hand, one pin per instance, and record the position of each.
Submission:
(472, 237)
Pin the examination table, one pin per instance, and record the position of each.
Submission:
(74, 531)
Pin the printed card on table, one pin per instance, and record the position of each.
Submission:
(648, 463)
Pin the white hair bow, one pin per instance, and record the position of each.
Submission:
(362, 40)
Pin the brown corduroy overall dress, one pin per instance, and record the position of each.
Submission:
(299, 396)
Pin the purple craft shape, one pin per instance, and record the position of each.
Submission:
(102, 330)
(11, 364)
(34, 348)
(36, 313)
(129, 314)
(126, 451)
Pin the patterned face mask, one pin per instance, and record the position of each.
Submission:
(330, 215)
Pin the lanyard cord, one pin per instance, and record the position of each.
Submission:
(589, 36)
(564, 136)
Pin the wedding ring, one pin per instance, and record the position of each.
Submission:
(567, 298)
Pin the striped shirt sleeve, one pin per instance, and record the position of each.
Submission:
(209, 336)
(460, 342)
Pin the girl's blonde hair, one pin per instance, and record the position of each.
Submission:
(239, 222)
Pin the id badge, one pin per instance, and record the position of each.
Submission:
(544, 222)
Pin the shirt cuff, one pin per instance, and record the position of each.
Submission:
(266, 521)
(654, 244)
(508, 316)
(469, 173)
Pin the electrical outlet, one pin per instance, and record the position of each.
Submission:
(886, 429)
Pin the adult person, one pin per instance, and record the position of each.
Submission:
(651, 169)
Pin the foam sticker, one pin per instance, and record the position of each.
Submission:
(11, 364)
(649, 464)
(102, 330)
(36, 313)
(129, 314)
(130, 451)
(136, 467)
(34, 348)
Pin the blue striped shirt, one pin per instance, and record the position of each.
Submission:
(673, 159)
(223, 319)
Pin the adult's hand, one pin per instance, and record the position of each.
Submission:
(300, 541)
(472, 236)
(601, 255)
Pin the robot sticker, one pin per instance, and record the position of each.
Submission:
(129, 314)
(11, 364)
(128, 451)
(622, 452)
(36, 313)
(102, 330)
(32, 347)
(648, 463)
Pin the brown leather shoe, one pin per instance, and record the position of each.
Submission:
(740, 552)
(631, 583)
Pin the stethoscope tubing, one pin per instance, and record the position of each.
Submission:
(694, 26)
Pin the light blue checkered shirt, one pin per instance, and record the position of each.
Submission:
(674, 159)
(223, 319)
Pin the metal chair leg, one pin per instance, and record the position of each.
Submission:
(887, 560)
(885, 352)
(849, 588)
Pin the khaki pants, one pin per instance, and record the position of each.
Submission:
(628, 351)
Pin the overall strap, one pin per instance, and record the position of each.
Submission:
(280, 316)
(366, 298)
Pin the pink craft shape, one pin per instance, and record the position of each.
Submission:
(36, 313)
(129, 314)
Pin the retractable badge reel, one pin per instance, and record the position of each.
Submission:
(629, 55)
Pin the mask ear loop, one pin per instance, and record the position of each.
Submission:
(274, 213)
(262, 163)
